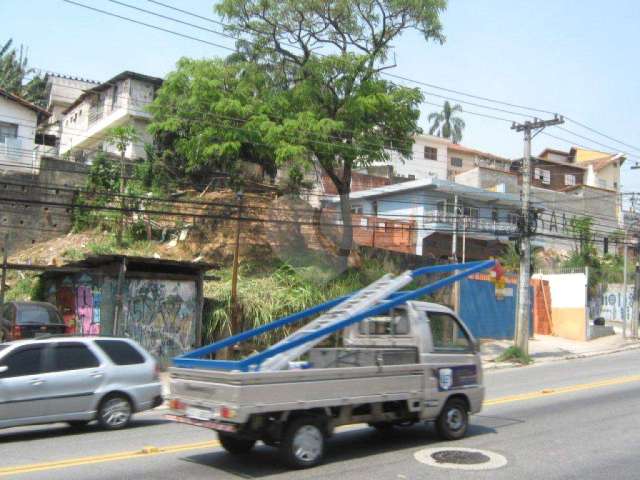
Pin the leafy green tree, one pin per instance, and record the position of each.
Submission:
(446, 124)
(305, 89)
(122, 137)
(14, 70)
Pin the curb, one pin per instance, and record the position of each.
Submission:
(491, 365)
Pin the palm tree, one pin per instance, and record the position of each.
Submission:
(445, 124)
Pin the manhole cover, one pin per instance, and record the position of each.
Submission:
(460, 458)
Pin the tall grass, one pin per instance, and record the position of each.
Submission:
(266, 294)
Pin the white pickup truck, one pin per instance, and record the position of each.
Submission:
(400, 362)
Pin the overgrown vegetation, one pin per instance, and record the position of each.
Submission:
(30, 287)
(603, 269)
(515, 355)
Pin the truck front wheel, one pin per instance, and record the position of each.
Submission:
(235, 445)
(302, 444)
(453, 420)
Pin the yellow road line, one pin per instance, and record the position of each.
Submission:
(74, 462)
(562, 390)
(152, 451)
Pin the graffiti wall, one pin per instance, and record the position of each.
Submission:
(78, 299)
(611, 304)
(161, 315)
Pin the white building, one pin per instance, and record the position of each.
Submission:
(18, 123)
(118, 101)
(429, 159)
(61, 92)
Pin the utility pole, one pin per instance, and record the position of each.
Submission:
(234, 274)
(123, 204)
(625, 314)
(635, 310)
(524, 303)
(454, 255)
(5, 255)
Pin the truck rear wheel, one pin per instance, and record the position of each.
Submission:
(302, 444)
(453, 420)
(234, 444)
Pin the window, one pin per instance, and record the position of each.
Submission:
(543, 175)
(24, 361)
(72, 356)
(615, 185)
(471, 212)
(602, 183)
(430, 153)
(8, 130)
(456, 162)
(494, 214)
(120, 353)
(513, 218)
(36, 315)
(447, 334)
(356, 209)
(569, 179)
(393, 324)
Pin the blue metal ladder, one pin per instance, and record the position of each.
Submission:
(375, 299)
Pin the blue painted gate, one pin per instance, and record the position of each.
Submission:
(485, 315)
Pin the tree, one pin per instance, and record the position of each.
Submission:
(14, 70)
(445, 124)
(121, 137)
(207, 117)
(327, 58)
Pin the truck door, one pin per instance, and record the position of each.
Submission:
(452, 361)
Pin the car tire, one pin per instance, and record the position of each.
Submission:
(303, 443)
(453, 421)
(234, 444)
(115, 412)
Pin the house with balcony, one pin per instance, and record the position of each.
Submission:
(61, 91)
(462, 159)
(426, 216)
(569, 189)
(18, 123)
(118, 101)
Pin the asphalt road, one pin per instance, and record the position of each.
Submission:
(569, 419)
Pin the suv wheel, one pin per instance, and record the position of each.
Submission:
(453, 420)
(115, 412)
(302, 444)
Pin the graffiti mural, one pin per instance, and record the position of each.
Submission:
(78, 300)
(161, 314)
(87, 307)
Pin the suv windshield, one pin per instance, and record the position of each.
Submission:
(35, 314)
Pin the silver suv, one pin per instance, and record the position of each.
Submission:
(76, 380)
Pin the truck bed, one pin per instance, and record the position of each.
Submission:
(257, 392)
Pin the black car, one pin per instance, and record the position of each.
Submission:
(28, 320)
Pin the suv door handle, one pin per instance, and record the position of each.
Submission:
(96, 374)
(37, 382)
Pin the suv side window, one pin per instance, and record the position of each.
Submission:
(24, 361)
(120, 353)
(72, 356)
(7, 312)
(447, 334)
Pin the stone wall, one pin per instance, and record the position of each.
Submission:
(37, 207)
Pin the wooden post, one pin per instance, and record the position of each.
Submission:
(119, 300)
(234, 275)
(5, 254)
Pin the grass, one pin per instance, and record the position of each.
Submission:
(515, 355)
(272, 289)
(24, 289)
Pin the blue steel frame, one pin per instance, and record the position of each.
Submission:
(190, 360)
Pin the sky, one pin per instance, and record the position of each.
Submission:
(575, 57)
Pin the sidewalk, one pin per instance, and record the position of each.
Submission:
(546, 348)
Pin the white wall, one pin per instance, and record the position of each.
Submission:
(21, 150)
(419, 166)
